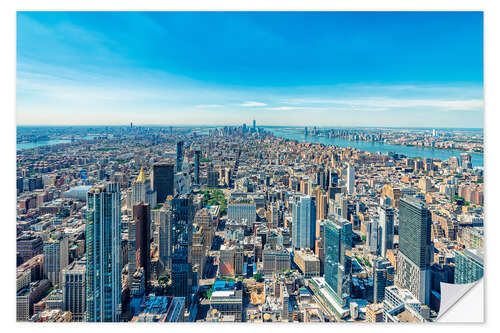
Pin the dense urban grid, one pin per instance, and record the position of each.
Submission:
(234, 224)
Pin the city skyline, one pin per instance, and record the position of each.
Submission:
(342, 69)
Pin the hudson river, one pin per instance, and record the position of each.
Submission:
(374, 147)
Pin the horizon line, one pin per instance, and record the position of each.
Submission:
(239, 125)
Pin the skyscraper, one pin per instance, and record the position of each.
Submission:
(141, 215)
(386, 225)
(181, 273)
(183, 213)
(415, 248)
(73, 288)
(304, 222)
(179, 156)
(383, 276)
(372, 236)
(139, 188)
(131, 251)
(103, 242)
(163, 181)
(338, 262)
(466, 160)
(165, 237)
(351, 175)
(55, 253)
(321, 205)
(197, 154)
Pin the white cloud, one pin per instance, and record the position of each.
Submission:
(209, 106)
(286, 108)
(252, 103)
(388, 103)
(291, 108)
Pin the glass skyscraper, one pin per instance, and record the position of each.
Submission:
(197, 155)
(163, 181)
(180, 156)
(338, 262)
(415, 248)
(304, 222)
(104, 262)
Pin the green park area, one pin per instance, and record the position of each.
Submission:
(214, 197)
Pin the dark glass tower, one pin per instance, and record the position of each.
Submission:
(415, 248)
(197, 154)
(180, 156)
(338, 244)
(183, 215)
(142, 218)
(415, 231)
(163, 181)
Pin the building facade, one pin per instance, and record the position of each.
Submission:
(104, 262)
(415, 248)
(73, 288)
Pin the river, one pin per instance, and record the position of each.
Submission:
(31, 145)
(375, 147)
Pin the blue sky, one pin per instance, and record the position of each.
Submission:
(280, 68)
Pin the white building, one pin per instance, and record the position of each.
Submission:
(242, 212)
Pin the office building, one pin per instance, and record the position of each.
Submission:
(383, 276)
(141, 216)
(386, 225)
(275, 261)
(181, 273)
(139, 187)
(198, 249)
(227, 300)
(73, 289)
(469, 265)
(163, 181)
(466, 160)
(212, 177)
(415, 248)
(321, 205)
(29, 245)
(239, 261)
(142, 192)
(179, 156)
(197, 155)
(304, 222)
(307, 262)
(183, 214)
(104, 262)
(372, 236)
(165, 237)
(28, 296)
(56, 257)
(401, 305)
(226, 261)
(245, 213)
(351, 175)
(285, 304)
(338, 261)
